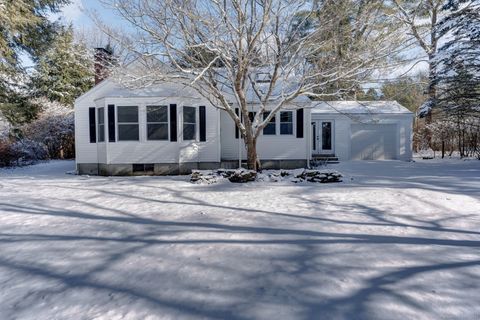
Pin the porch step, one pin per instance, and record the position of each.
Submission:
(324, 159)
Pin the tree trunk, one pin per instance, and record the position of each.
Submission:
(432, 93)
(253, 163)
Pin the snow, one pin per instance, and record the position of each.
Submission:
(396, 240)
(359, 107)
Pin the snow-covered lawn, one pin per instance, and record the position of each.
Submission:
(396, 240)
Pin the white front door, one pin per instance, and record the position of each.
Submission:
(322, 137)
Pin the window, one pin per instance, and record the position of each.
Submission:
(101, 124)
(251, 116)
(157, 123)
(127, 120)
(286, 122)
(326, 135)
(143, 168)
(189, 123)
(270, 127)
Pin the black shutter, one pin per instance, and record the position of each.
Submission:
(111, 123)
(299, 123)
(203, 125)
(93, 127)
(237, 112)
(173, 122)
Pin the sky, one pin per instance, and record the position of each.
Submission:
(76, 13)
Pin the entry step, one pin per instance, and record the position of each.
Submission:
(324, 159)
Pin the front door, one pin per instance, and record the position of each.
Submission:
(322, 137)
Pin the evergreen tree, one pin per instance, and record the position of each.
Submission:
(458, 60)
(64, 71)
(421, 19)
(24, 29)
(458, 74)
(409, 92)
(340, 30)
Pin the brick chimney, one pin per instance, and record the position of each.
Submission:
(103, 61)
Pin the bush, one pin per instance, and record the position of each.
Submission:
(54, 128)
(49, 136)
(28, 151)
(20, 152)
(7, 153)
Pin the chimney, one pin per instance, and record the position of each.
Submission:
(103, 61)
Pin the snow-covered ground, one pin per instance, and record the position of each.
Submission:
(396, 240)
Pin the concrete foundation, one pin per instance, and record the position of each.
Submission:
(267, 164)
(164, 169)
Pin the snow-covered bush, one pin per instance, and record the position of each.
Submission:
(20, 152)
(456, 133)
(54, 128)
(7, 156)
(28, 151)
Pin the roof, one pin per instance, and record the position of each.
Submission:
(360, 107)
(113, 87)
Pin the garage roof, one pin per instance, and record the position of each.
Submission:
(360, 107)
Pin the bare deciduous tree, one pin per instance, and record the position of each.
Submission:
(219, 47)
(421, 18)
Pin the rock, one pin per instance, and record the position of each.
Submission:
(201, 177)
(320, 176)
(242, 176)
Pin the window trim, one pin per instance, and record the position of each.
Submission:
(167, 106)
(100, 110)
(272, 121)
(195, 130)
(118, 123)
(292, 123)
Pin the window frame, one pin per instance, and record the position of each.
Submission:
(272, 121)
(195, 124)
(118, 123)
(156, 122)
(290, 122)
(100, 111)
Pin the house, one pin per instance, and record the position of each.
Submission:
(170, 129)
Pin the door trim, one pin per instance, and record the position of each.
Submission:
(316, 128)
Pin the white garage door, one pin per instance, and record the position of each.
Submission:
(374, 141)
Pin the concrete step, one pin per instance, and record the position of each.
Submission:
(325, 158)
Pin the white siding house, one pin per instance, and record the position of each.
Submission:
(169, 129)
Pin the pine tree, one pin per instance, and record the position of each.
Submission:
(458, 60)
(339, 30)
(25, 28)
(458, 72)
(64, 71)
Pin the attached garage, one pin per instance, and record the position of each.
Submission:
(361, 130)
(374, 141)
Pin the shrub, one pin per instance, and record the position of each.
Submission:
(54, 128)
(7, 155)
